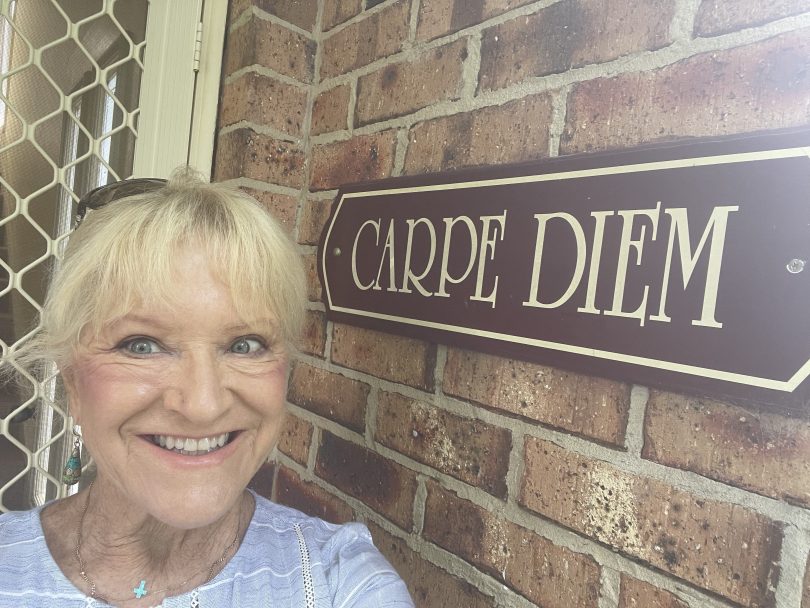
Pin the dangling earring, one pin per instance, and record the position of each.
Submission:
(73, 468)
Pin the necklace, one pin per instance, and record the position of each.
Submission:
(141, 590)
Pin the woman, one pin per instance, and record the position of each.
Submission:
(171, 321)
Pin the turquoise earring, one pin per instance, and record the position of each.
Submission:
(73, 467)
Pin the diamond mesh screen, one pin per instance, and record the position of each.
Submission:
(70, 74)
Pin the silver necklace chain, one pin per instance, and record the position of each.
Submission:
(94, 591)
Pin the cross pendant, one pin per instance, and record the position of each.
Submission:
(140, 591)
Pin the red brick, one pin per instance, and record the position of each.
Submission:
(429, 585)
(245, 153)
(269, 45)
(548, 575)
(401, 88)
(330, 111)
(262, 481)
(360, 43)
(329, 395)
(305, 496)
(382, 484)
(284, 208)
(721, 547)
(570, 34)
(300, 12)
(314, 335)
(759, 86)
(314, 291)
(584, 405)
(264, 101)
(467, 449)
(637, 594)
(295, 439)
(361, 158)
(394, 358)
(715, 17)
(758, 451)
(338, 11)
(515, 131)
(314, 216)
(440, 17)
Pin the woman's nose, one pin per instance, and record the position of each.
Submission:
(198, 390)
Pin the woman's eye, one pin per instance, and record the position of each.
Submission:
(247, 346)
(141, 346)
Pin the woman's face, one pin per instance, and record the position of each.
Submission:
(173, 374)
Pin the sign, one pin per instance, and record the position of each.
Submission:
(681, 266)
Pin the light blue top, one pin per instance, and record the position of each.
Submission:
(287, 559)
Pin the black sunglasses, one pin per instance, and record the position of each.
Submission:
(98, 197)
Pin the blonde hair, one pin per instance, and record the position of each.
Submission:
(121, 257)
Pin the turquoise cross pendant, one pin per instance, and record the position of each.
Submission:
(140, 591)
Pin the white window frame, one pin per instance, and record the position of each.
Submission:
(180, 89)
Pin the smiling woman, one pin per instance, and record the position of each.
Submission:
(171, 322)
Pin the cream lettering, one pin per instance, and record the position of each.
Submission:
(716, 230)
(630, 254)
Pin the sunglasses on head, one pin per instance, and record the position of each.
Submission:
(98, 197)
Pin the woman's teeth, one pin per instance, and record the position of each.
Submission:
(191, 447)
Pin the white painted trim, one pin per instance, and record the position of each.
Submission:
(167, 88)
(206, 97)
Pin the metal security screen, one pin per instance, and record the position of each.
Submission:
(70, 79)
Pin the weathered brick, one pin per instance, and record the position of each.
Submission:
(361, 158)
(314, 290)
(401, 88)
(637, 594)
(338, 11)
(330, 111)
(262, 481)
(720, 17)
(264, 101)
(440, 17)
(270, 45)
(394, 358)
(313, 340)
(295, 439)
(367, 40)
(245, 153)
(721, 547)
(759, 86)
(382, 484)
(429, 585)
(329, 395)
(515, 131)
(313, 500)
(584, 405)
(301, 12)
(470, 450)
(284, 208)
(570, 34)
(548, 575)
(314, 215)
(758, 451)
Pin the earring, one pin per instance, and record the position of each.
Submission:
(73, 468)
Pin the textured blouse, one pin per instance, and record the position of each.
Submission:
(287, 559)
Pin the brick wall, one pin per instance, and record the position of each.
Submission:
(487, 481)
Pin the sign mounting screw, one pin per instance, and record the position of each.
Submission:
(336, 251)
(795, 266)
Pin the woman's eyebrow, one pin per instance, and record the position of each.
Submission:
(142, 320)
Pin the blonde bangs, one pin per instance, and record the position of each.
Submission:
(122, 257)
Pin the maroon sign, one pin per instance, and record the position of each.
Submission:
(679, 266)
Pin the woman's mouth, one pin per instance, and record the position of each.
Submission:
(192, 447)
